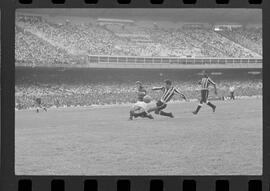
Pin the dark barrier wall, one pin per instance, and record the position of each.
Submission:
(92, 75)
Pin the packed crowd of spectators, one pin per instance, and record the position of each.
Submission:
(40, 39)
(250, 38)
(223, 47)
(101, 94)
(29, 47)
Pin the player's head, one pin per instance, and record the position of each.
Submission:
(204, 73)
(168, 83)
(138, 84)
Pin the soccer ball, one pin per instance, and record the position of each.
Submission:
(141, 94)
(147, 99)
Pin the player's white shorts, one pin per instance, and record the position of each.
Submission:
(140, 104)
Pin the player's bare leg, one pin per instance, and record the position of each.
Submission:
(212, 106)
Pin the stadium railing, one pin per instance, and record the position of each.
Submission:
(147, 62)
(170, 60)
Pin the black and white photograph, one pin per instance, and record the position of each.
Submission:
(138, 91)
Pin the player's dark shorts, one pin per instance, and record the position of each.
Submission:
(160, 106)
(204, 96)
(232, 95)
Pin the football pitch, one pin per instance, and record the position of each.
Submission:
(101, 141)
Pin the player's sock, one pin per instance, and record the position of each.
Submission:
(165, 114)
(198, 109)
(45, 109)
(212, 106)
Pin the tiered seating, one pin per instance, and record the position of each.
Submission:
(39, 39)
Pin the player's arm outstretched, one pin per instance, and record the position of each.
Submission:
(157, 88)
(180, 93)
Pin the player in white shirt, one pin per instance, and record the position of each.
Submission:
(232, 89)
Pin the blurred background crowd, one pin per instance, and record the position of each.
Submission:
(107, 93)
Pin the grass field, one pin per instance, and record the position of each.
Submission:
(101, 141)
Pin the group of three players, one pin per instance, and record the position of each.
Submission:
(140, 109)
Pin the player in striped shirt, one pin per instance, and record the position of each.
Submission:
(168, 92)
(205, 82)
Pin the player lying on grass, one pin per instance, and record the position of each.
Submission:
(205, 82)
(139, 108)
(168, 91)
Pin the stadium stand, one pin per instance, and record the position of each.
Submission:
(251, 38)
(40, 39)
